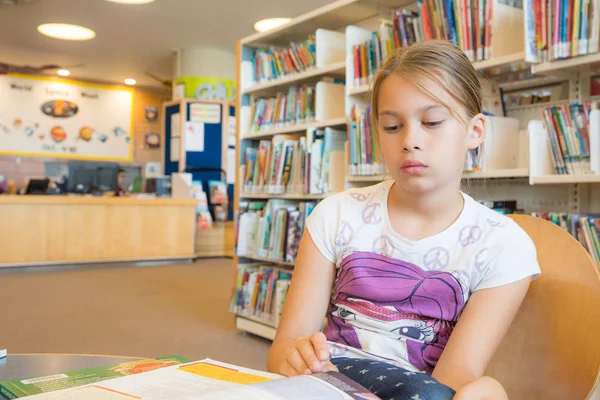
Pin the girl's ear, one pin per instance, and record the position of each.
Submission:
(476, 131)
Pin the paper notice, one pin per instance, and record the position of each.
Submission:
(194, 136)
(207, 113)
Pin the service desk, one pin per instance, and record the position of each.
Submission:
(41, 230)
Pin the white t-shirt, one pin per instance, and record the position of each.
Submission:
(398, 300)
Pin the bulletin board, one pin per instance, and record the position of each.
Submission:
(56, 118)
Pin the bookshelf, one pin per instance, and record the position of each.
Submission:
(296, 128)
(335, 69)
(289, 196)
(526, 175)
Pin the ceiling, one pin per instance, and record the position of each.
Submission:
(132, 40)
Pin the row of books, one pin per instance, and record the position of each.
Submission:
(297, 106)
(365, 157)
(569, 129)
(260, 292)
(274, 62)
(585, 228)
(561, 28)
(293, 164)
(271, 230)
(464, 22)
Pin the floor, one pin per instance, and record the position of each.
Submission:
(127, 310)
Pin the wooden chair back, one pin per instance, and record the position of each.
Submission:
(552, 350)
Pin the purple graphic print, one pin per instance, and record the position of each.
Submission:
(420, 306)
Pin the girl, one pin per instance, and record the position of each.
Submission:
(418, 282)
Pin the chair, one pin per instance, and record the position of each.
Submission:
(552, 350)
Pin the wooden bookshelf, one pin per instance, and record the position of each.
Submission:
(564, 179)
(275, 85)
(268, 260)
(497, 174)
(255, 327)
(296, 128)
(360, 16)
(366, 178)
(360, 90)
(573, 64)
(288, 196)
(500, 61)
(501, 173)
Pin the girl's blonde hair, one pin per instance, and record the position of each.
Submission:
(434, 62)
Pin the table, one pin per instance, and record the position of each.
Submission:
(21, 366)
(59, 230)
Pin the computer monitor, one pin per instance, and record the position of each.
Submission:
(37, 186)
(86, 177)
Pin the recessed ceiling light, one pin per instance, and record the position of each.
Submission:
(63, 72)
(130, 81)
(270, 23)
(66, 31)
(131, 1)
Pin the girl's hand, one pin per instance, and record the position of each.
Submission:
(484, 388)
(307, 355)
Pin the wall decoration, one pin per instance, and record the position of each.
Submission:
(151, 113)
(205, 88)
(65, 119)
(153, 140)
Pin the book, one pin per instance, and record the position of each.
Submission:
(584, 227)
(18, 388)
(297, 106)
(365, 157)
(209, 379)
(272, 229)
(568, 128)
(3, 353)
(560, 29)
(276, 62)
(260, 292)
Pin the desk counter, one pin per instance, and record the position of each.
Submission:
(43, 230)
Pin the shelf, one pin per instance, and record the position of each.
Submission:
(530, 83)
(499, 61)
(278, 84)
(334, 16)
(289, 196)
(264, 259)
(499, 173)
(296, 128)
(360, 90)
(365, 178)
(564, 65)
(256, 328)
(558, 179)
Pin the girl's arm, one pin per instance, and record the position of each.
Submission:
(484, 322)
(299, 347)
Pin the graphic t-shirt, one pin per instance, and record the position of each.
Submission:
(398, 300)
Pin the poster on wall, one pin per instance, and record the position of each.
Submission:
(54, 118)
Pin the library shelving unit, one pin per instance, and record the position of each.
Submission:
(518, 159)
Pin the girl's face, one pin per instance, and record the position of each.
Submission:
(424, 145)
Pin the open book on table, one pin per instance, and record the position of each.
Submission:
(208, 379)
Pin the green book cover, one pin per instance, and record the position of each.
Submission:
(43, 384)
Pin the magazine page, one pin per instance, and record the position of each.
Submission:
(208, 379)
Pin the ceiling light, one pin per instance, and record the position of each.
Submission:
(131, 1)
(63, 72)
(270, 23)
(66, 31)
(130, 81)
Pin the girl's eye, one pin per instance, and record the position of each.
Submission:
(391, 128)
(432, 124)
